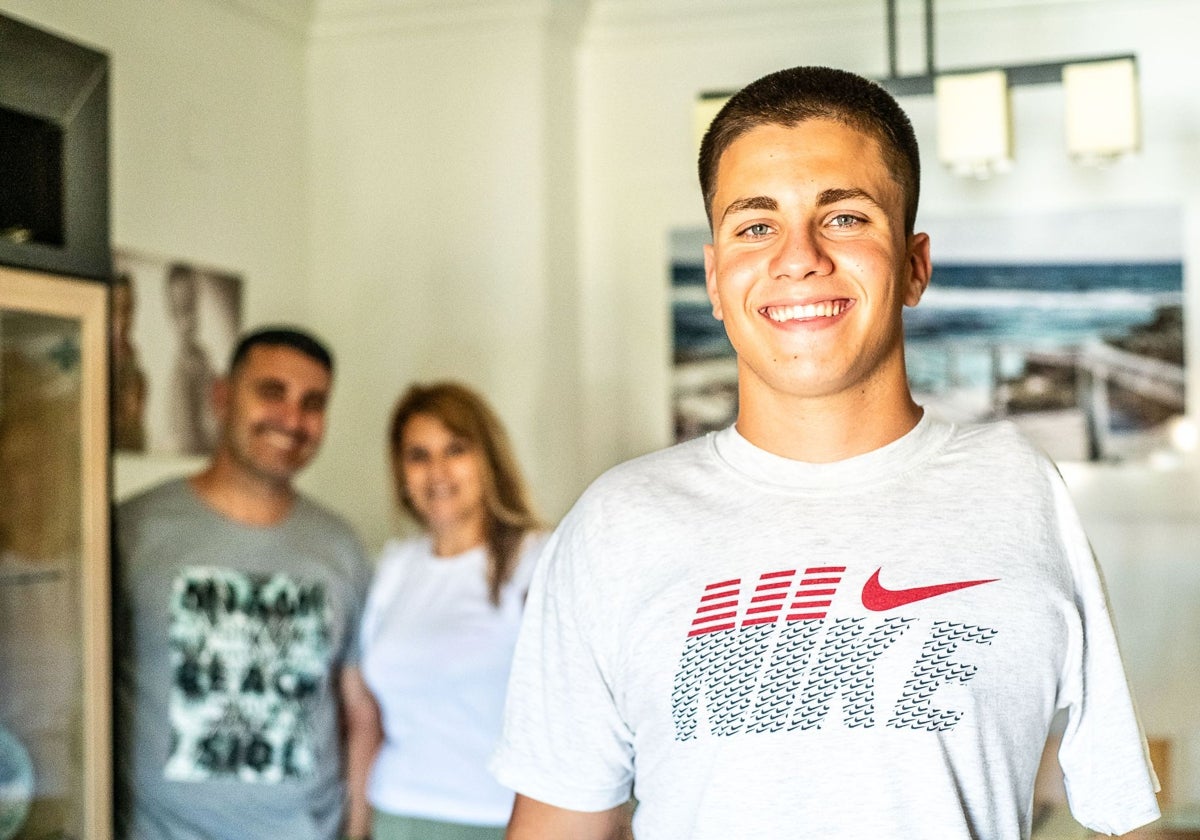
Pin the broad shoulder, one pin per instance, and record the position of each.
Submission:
(171, 494)
(1000, 442)
(638, 493)
(653, 472)
(309, 510)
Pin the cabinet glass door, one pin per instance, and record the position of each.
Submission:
(54, 581)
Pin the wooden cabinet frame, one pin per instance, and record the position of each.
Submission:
(22, 293)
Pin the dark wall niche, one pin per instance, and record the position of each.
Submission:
(31, 203)
(53, 153)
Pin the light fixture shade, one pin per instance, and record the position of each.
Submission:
(974, 122)
(707, 106)
(1102, 114)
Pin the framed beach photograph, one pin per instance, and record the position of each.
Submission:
(174, 325)
(1069, 324)
(55, 709)
(704, 367)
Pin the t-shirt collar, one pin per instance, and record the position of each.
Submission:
(897, 457)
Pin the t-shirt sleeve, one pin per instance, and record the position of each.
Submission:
(359, 570)
(1106, 767)
(531, 551)
(379, 593)
(564, 742)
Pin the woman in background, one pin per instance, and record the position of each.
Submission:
(442, 616)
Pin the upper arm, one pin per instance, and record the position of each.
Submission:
(565, 739)
(534, 820)
(359, 710)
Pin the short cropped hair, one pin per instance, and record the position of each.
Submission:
(789, 97)
(281, 336)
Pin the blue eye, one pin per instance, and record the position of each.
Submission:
(844, 220)
(758, 229)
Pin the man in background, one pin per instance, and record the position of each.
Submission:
(240, 709)
(840, 617)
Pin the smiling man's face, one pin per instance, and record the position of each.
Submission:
(273, 412)
(810, 266)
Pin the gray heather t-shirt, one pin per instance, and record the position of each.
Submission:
(229, 638)
(870, 648)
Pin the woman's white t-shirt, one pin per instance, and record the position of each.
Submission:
(436, 655)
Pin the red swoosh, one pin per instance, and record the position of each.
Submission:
(876, 597)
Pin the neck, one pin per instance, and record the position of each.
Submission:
(245, 498)
(452, 540)
(829, 428)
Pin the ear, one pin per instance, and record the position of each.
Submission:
(219, 396)
(710, 281)
(919, 269)
(398, 474)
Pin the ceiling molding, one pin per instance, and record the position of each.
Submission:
(662, 18)
(291, 16)
(341, 18)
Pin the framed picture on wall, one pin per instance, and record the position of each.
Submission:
(55, 673)
(1068, 324)
(174, 324)
(704, 370)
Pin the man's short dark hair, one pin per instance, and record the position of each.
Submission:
(789, 97)
(282, 336)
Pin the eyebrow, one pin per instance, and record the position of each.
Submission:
(835, 195)
(757, 202)
(825, 198)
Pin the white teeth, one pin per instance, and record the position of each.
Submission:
(825, 309)
(281, 440)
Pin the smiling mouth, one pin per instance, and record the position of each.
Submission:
(281, 439)
(808, 311)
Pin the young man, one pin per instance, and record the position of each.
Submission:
(839, 617)
(240, 707)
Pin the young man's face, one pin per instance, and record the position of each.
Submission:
(273, 412)
(810, 266)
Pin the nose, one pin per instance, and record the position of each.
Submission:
(438, 466)
(291, 414)
(800, 254)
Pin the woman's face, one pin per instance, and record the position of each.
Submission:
(443, 474)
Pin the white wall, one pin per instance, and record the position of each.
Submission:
(1145, 529)
(442, 233)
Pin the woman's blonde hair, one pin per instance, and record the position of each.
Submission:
(510, 514)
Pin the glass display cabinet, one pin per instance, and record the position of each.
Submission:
(55, 672)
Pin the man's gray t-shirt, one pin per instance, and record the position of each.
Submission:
(229, 640)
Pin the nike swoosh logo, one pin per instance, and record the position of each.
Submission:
(878, 598)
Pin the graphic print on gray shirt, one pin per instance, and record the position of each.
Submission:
(229, 642)
(248, 652)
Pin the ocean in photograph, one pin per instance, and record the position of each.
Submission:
(704, 380)
(697, 334)
(1088, 357)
